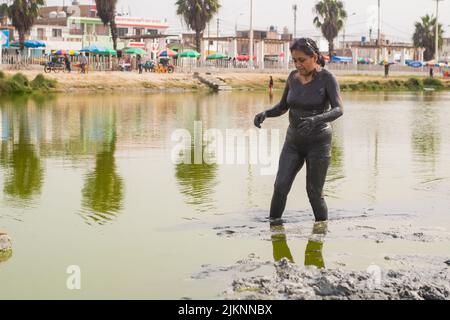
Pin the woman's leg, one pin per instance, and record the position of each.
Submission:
(291, 162)
(317, 169)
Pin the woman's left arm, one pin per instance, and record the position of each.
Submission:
(334, 95)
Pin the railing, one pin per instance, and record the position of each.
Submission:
(108, 63)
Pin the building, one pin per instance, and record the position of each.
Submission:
(77, 26)
(445, 51)
(269, 46)
(388, 51)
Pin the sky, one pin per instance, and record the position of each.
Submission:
(398, 16)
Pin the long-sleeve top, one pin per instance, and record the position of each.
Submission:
(320, 98)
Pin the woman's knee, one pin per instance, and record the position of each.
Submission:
(282, 188)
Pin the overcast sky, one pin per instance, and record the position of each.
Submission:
(398, 16)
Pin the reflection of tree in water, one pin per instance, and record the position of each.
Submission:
(197, 182)
(336, 169)
(25, 176)
(425, 136)
(103, 189)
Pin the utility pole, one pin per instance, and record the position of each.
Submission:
(218, 25)
(436, 54)
(251, 36)
(295, 8)
(379, 32)
(379, 22)
(209, 38)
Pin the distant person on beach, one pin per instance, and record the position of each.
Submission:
(139, 63)
(431, 72)
(312, 97)
(387, 65)
(67, 63)
(83, 62)
(271, 85)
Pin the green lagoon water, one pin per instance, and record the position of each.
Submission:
(89, 181)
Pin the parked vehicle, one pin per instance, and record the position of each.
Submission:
(56, 65)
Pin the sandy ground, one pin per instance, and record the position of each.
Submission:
(153, 82)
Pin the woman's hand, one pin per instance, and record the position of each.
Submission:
(259, 119)
(306, 125)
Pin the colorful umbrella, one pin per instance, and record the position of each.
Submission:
(30, 44)
(167, 53)
(135, 51)
(216, 56)
(97, 49)
(93, 48)
(244, 57)
(109, 51)
(60, 52)
(189, 54)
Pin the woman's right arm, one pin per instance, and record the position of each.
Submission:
(282, 107)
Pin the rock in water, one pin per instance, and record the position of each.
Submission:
(5, 241)
(5, 246)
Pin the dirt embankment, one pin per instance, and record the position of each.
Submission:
(180, 82)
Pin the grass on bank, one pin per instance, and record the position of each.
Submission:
(20, 84)
(411, 84)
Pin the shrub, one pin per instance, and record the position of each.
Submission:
(432, 82)
(21, 79)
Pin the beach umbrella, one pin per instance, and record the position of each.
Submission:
(341, 59)
(60, 52)
(97, 49)
(29, 44)
(216, 56)
(109, 51)
(189, 54)
(74, 53)
(415, 64)
(135, 51)
(244, 57)
(93, 48)
(167, 53)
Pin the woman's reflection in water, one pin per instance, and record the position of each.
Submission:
(313, 252)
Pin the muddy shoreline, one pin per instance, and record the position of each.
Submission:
(326, 275)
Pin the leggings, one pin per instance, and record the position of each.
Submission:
(315, 150)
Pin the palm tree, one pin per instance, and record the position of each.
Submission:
(425, 35)
(23, 13)
(196, 15)
(106, 10)
(3, 12)
(330, 19)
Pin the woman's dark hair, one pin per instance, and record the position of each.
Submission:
(309, 47)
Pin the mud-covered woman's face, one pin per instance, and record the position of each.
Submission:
(304, 63)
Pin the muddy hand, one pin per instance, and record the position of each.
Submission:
(259, 119)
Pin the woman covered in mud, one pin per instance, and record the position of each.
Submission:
(312, 97)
